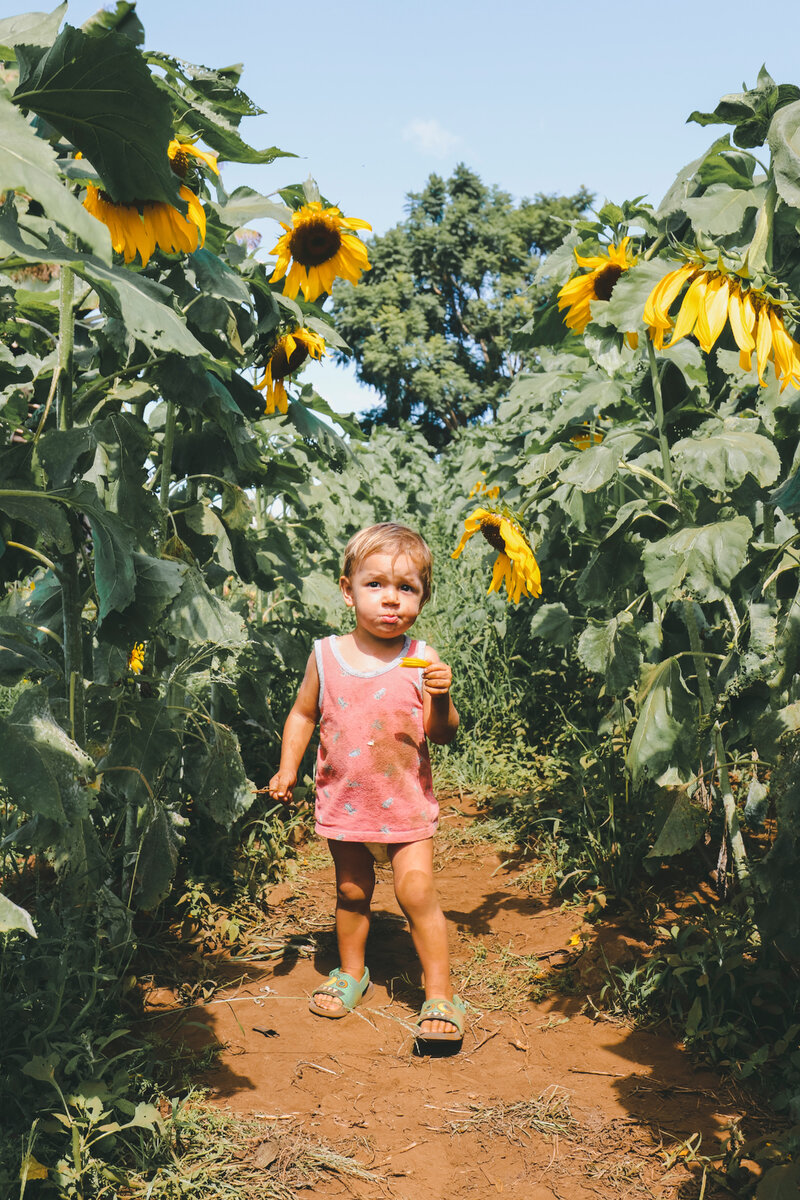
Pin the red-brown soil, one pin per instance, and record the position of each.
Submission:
(548, 1098)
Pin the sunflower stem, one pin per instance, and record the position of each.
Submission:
(659, 401)
(66, 343)
(69, 571)
(166, 465)
(703, 682)
(733, 830)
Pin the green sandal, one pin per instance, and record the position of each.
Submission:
(443, 1010)
(344, 988)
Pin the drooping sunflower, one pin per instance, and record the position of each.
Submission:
(515, 564)
(714, 297)
(288, 353)
(582, 441)
(481, 488)
(139, 227)
(321, 245)
(136, 659)
(604, 270)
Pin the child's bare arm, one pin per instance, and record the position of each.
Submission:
(439, 715)
(297, 732)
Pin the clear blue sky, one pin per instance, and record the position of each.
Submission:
(534, 97)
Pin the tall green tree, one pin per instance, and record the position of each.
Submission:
(432, 326)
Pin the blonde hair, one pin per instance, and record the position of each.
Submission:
(390, 538)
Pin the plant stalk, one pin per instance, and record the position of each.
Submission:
(166, 465)
(659, 399)
(703, 681)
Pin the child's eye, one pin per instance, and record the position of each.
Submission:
(373, 583)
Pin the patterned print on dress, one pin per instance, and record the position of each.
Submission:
(336, 736)
(352, 783)
(385, 829)
(350, 808)
(377, 725)
(341, 702)
(354, 753)
(388, 802)
(381, 692)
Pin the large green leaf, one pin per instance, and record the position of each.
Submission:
(29, 29)
(197, 616)
(20, 653)
(698, 562)
(552, 623)
(665, 734)
(682, 829)
(41, 768)
(215, 278)
(592, 469)
(28, 164)
(612, 649)
(217, 779)
(245, 205)
(723, 210)
(97, 91)
(722, 460)
(13, 918)
(157, 858)
(784, 142)
(41, 514)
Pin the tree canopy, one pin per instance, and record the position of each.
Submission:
(431, 327)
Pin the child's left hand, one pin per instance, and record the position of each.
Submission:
(437, 678)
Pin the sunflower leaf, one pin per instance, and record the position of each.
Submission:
(29, 29)
(98, 93)
(723, 210)
(724, 459)
(783, 142)
(665, 729)
(28, 163)
(12, 917)
(697, 562)
(612, 649)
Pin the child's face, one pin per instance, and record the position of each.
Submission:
(386, 592)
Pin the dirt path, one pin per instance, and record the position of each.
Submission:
(547, 1099)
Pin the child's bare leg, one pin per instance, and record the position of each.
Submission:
(412, 864)
(355, 883)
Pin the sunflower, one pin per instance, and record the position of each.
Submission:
(712, 298)
(582, 441)
(136, 658)
(288, 353)
(491, 493)
(321, 246)
(604, 271)
(515, 564)
(139, 227)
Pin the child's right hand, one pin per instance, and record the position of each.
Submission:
(281, 786)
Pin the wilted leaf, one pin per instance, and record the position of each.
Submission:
(13, 918)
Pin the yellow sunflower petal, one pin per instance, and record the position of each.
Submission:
(763, 342)
(687, 315)
(713, 312)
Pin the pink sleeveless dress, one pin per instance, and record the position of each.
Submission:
(373, 767)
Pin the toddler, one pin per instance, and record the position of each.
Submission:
(374, 796)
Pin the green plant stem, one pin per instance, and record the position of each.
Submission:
(659, 401)
(73, 642)
(166, 465)
(768, 539)
(703, 682)
(732, 829)
(66, 344)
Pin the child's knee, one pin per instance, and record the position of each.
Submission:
(354, 893)
(415, 891)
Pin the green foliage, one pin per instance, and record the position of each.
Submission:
(432, 325)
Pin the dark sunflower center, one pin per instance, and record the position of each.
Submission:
(283, 364)
(314, 243)
(180, 163)
(491, 531)
(604, 282)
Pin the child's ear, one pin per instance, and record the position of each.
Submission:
(347, 591)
